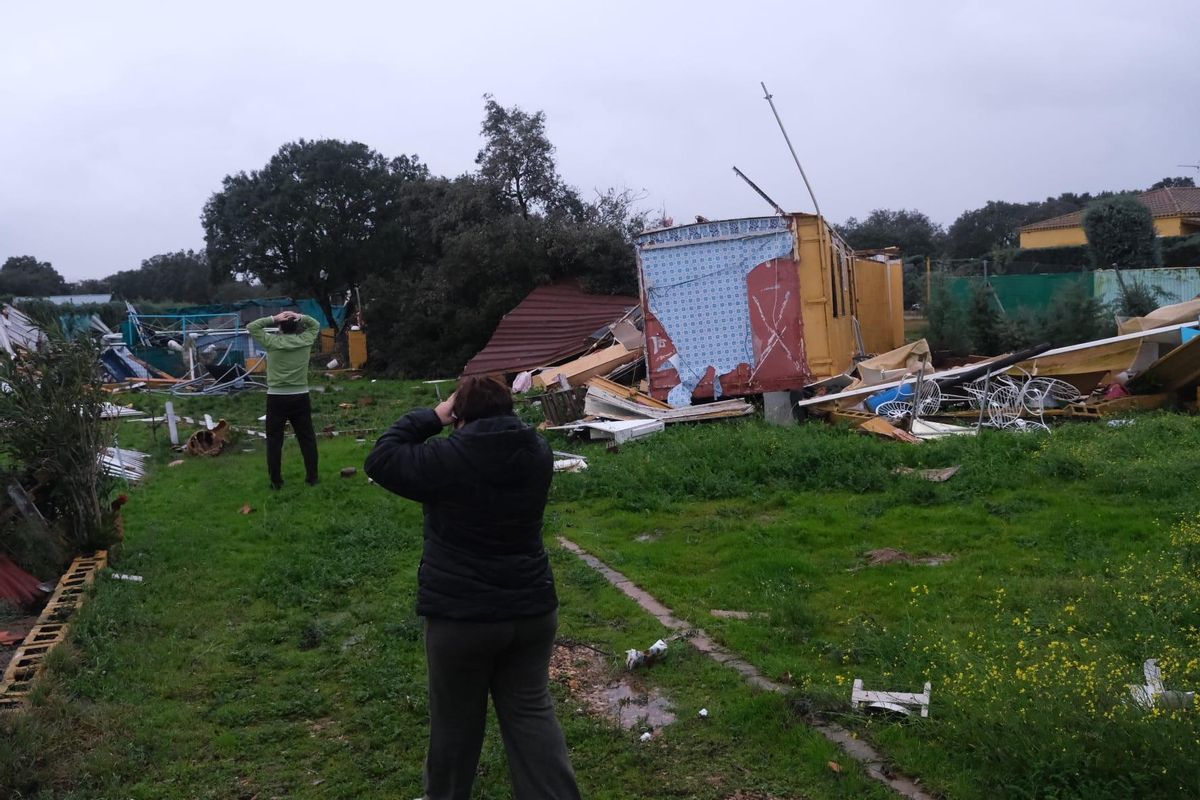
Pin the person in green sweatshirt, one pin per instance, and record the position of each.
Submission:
(287, 388)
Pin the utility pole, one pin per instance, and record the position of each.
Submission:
(928, 286)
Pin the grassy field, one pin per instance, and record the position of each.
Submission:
(276, 653)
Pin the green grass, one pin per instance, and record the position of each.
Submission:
(277, 654)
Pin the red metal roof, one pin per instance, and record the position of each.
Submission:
(551, 324)
(16, 585)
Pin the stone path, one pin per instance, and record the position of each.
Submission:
(872, 762)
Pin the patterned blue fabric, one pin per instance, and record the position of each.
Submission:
(695, 279)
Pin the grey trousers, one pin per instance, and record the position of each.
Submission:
(510, 660)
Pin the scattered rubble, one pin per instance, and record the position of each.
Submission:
(585, 674)
(1151, 364)
(210, 441)
(129, 465)
(636, 658)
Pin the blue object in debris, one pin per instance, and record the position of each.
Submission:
(1189, 334)
(903, 393)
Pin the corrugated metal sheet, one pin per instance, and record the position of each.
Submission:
(1169, 285)
(553, 323)
(17, 331)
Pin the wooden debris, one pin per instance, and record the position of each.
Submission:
(1177, 371)
(49, 631)
(579, 371)
(602, 403)
(629, 393)
(935, 475)
(1118, 405)
(881, 427)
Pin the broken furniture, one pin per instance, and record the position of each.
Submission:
(898, 702)
(1153, 694)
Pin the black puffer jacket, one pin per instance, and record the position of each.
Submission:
(484, 490)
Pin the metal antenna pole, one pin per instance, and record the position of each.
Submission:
(767, 96)
(778, 209)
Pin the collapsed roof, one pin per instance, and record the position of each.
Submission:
(553, 323)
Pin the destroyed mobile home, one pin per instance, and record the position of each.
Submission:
(782, 307)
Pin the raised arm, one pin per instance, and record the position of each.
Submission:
(258, 332)
(404, 462)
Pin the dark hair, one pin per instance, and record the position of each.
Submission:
(481, 396)
(289, 325)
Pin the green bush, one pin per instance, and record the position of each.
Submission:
(948, 327)
(57, 396)
(1181, 251)
(1120, 233)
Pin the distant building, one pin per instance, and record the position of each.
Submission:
(1176, 212)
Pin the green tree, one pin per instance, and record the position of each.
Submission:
(182, 276)
(1074, 315)
(319, 217)
(910, 230)
(996, 225)
(26, 276)
(947, 320)
(1120, 234)
(979, 231)
(517, 157)
(1174, 183)
(985, 324)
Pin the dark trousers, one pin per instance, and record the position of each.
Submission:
(511, 660)
(296, 409)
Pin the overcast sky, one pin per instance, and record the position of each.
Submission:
(119, 119)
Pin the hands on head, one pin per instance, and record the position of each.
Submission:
(445, 411)
(282, 315)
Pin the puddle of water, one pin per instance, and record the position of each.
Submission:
(632, 707)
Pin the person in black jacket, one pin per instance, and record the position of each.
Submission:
(484, 586)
